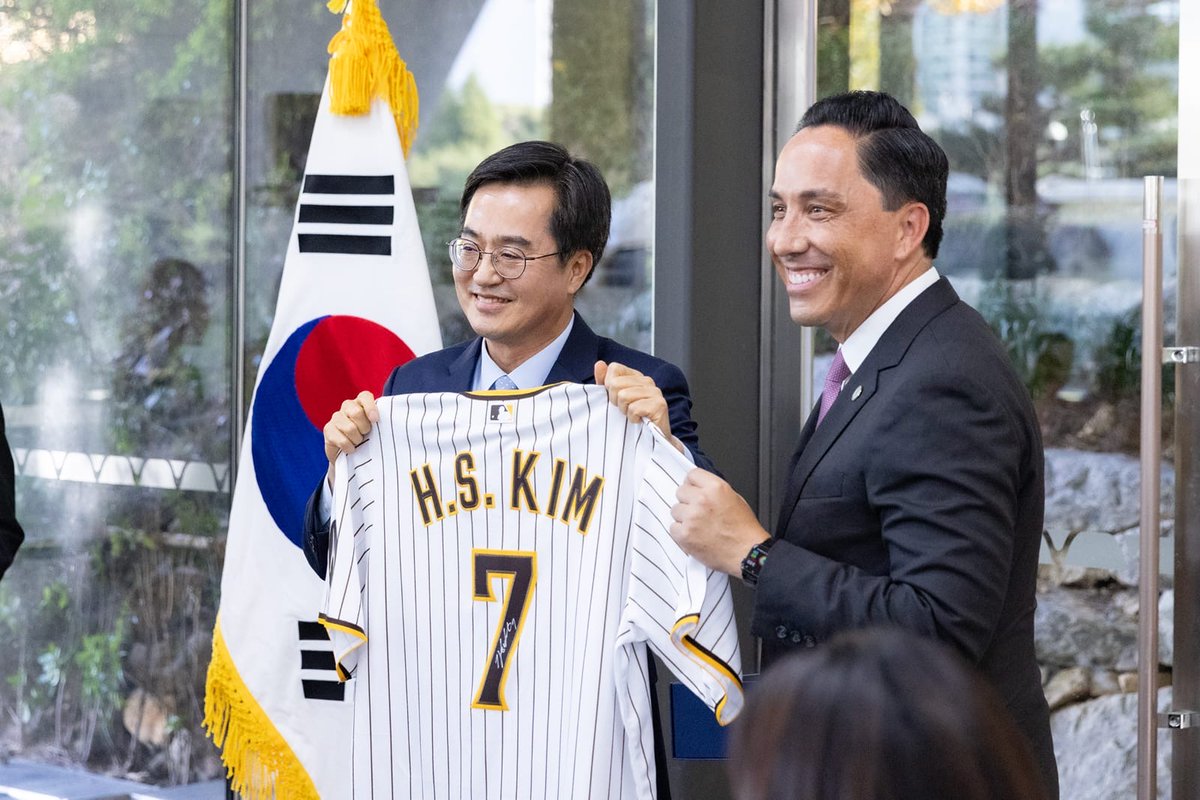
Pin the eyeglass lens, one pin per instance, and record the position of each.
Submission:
(508, 261)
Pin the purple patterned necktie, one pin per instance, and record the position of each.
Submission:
(838, 372)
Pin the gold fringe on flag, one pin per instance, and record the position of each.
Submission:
(364, 64)
(258, 761)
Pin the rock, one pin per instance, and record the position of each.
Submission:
(1100, 423)
(1067, 686)
(1073, 576)
(1096, 746)
(1104, 682)
(1088, 491)
(1128, 681)
(1086, 628)
(1126, 603)
(1093, 495)
(147, 719)
(1129, 556)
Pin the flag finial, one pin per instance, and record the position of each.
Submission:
(364, 64)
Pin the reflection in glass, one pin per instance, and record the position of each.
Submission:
(115, 212)
(1051, 113)
(114, 374)
(555, 80)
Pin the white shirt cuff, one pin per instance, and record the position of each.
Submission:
(325, 504)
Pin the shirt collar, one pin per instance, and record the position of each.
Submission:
(859, 344)
(531, 373)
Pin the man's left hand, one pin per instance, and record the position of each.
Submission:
(637, 396)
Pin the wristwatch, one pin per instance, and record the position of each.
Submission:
(752, 564)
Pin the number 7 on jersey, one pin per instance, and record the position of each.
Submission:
(519, 569)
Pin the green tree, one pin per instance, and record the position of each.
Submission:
(115, 151)
(603, 86)
(1124, 74)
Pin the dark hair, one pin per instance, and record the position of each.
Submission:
(894, 154)
(584, 206)
(878, 714)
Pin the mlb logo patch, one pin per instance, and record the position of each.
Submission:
(499, 412)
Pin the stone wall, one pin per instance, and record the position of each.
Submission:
(1087, 621)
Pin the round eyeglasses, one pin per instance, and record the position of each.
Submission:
(508, 261)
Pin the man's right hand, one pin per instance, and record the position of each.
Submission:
(348, 427)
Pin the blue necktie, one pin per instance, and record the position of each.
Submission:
(504, 382)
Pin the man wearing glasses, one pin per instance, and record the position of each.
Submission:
(535, 221)
(534, 225)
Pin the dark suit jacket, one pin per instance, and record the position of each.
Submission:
(918, 502)
(11, 534)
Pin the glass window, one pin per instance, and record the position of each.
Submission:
(117, 243)
(498, 72)
(115, 205)
(1051, 114)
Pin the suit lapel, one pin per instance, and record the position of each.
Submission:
(460, 374)
(577, 361)
(854, 397)
(792, 492)
(860, 388)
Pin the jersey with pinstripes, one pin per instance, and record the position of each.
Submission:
(500, 562)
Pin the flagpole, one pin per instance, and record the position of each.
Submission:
(238, 278)
(238, 356)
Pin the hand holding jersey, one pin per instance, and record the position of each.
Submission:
(637, 397)
(348, 427)
(713, 523)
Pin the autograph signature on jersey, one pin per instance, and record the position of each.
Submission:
(502, 644)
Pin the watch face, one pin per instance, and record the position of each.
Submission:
(752, 564)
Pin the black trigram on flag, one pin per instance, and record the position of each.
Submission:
(326, 217)
(316, 658)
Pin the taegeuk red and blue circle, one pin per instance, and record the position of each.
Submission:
(322, 363)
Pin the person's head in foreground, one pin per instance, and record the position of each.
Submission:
(878, 714)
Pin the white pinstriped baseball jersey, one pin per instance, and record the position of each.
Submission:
(503, 560)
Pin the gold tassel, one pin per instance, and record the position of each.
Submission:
(258, 760)
(364, 64)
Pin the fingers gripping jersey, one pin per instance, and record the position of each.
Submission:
(500, 562)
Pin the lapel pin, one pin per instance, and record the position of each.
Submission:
(857, 392)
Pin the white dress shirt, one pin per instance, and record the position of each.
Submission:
(531, 373)
(859, 344)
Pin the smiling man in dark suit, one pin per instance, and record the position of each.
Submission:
(916, 494)
(535, 222)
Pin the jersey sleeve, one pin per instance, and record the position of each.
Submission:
(349, 550)
(679, 607)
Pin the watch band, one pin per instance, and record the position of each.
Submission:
(752, 564)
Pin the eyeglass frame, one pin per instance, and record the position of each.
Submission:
(492, 253)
